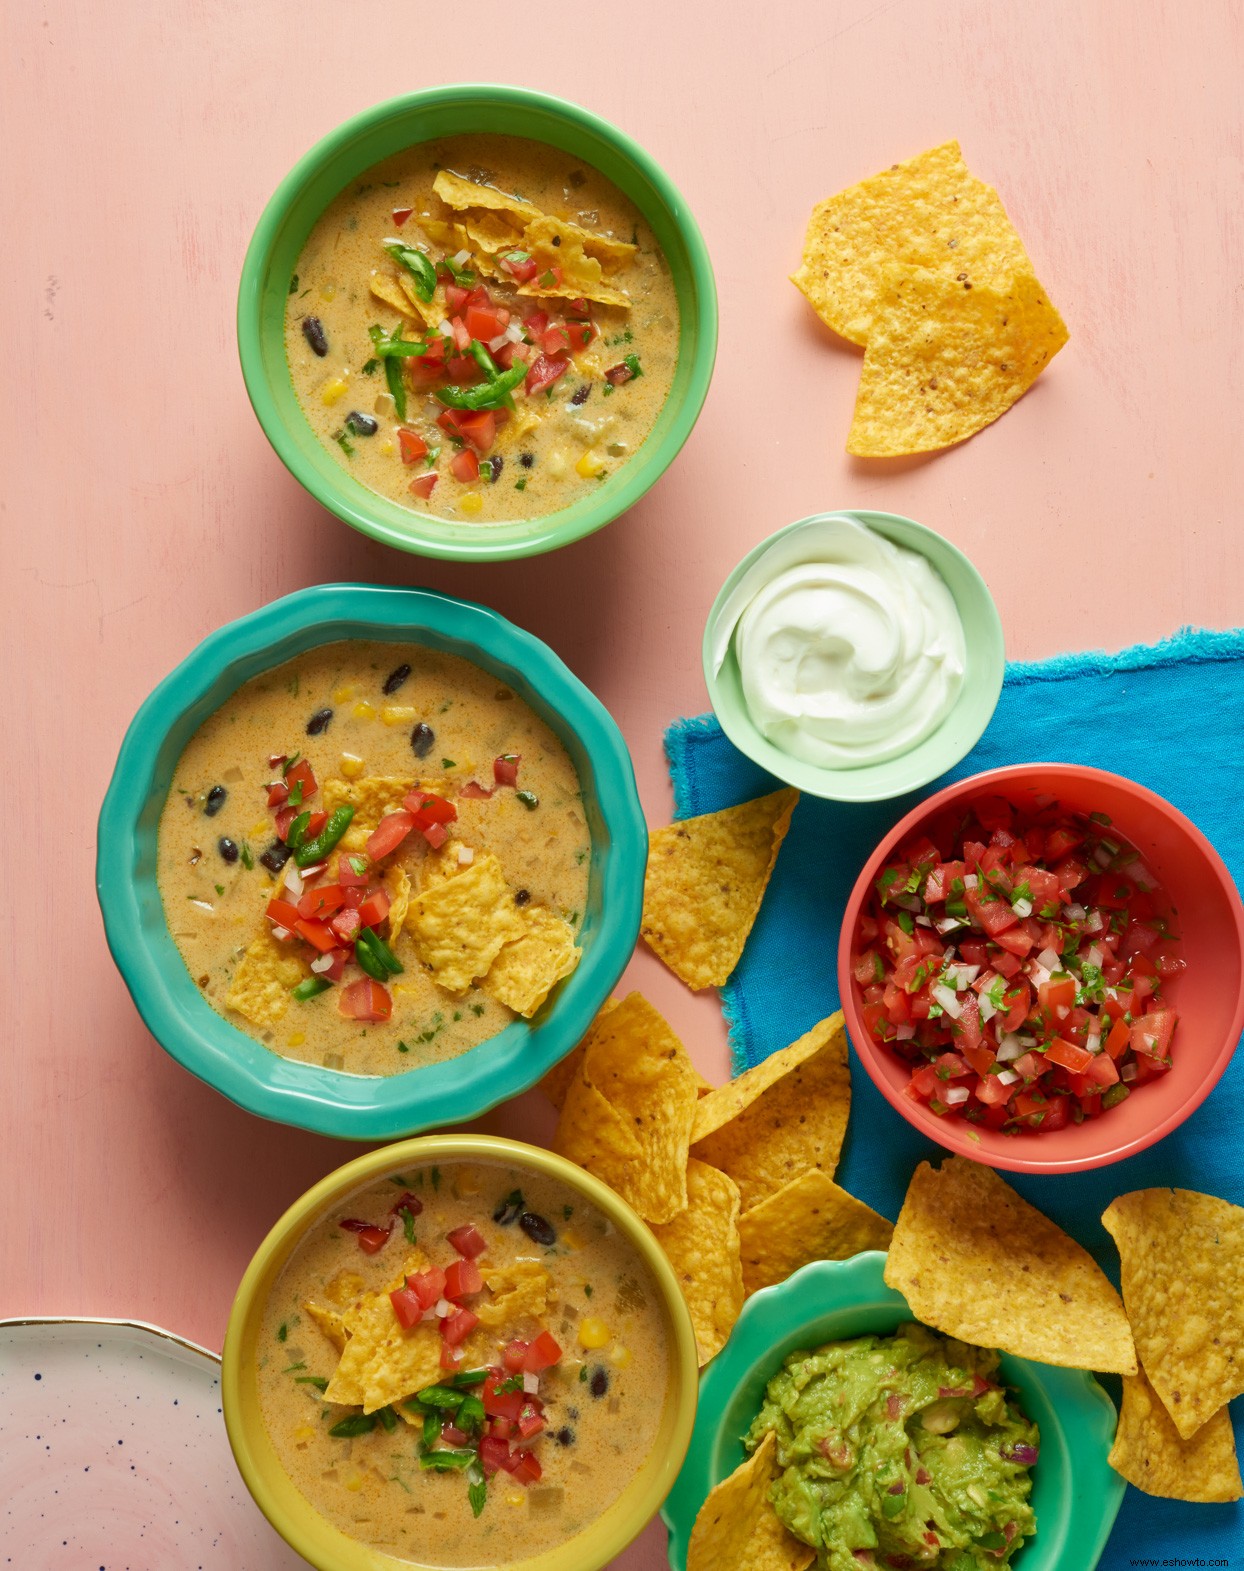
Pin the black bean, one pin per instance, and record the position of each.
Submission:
(361, 424)
(313, 332)
(494, 464)
(421, 739)
(395, 679)
(227, 849)
(526, 459)
(580, 394)
(510, 1209)
(276, 856)
(215, 800)
(537, 1229)
(522, 897)
(598, 1385)
(565, 1436)
(319, 722)
(529, 799)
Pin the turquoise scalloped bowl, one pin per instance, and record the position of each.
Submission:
(358, 1107)
(1076, 1494)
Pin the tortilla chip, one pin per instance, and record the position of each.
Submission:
(490, 232)
(527, 968)
(381, 1362)
(459, 926)
(521, 1288)
(976, 1262)
(259, 991)
(330, 1321)
(434, 311)
(706, 878)
(944, 360)
(810, 1218)
(387, 288)
(371, 797)
(581, 274)
(641, 1069)
(397, 882)
(702, 1245)
(595, 1135)
(344, 1288)
(612, 253)
(1182, 1257)
(930, 212)
(461, 194)
(772, 1547)
(730, 1516)
(1149, 1452)
(785, 1117)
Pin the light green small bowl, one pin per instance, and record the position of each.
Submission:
(943, 748)
(392, 127)
(293, 1516)
(1076, 1494)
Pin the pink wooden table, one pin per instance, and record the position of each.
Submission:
(142, 506)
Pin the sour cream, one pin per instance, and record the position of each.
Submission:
(849, 647)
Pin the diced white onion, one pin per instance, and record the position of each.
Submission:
(445, 328)
(1008, 1077)
(923, 921)
(1021, 907)
(1074, 913)
(444, 1308)
(1010, 1048)
(1129, 1072)
(1093, 957)
(1092, 1042)
(1141, 876)
(1095, 923)
(531, 1383)
(277, 932)
(955, 1095)
(970, 880)
(948, 924)
(961, 976)
(202, 905)
(322, 963)
(1028, 1041)
(949, 1000)
(1101, 856)
(498, 342)
(461, 258)
(987, 1006)
(1050, 960)
(293, 877)
(1036, 973)
(905, 1032)
(466, 856)
(515, 332)
(308, 873)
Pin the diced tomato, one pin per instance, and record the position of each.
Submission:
(457, 1327)
(1030, 1065)
(967, 1029)
(321, 902)
(463, 1280)
(465, 466)
(543, 1353)
(530, 1422)
(389, 834)
(989, 912)
(1068, 1055)
(1028, 1103)
(498, 1403)
(424, 485)
(468, 1241)
(375, 908)
(505, 768)
(278, 792)
(318, 934)
(479, 428)
(284, 818)
(494, 1455)
(1057, 996)
(451, 1356)
(1101, 1070)
(1056, 1113)
(283, 913)
(427, 1286)
(486, 322)
(1015, 941)
(982, 1059)
(523, 270)
(365, 1000)
(514, 1355)
(436, 835)
(371, 1239)
(456, 298)
(992, 1092)
(406, 1307)
(1061, 842)
(462, 337)
(1151, 1034)
(302, 774)
(544, 372)
(1070, 874)
(411, 444)
(937, 885)
(526, 1467)
(580, 335)
(345, 924)
(554, 340)
(924, 1082)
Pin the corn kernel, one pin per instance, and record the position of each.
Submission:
(364, 711)
(354, 1483)
(398, 714)
(387, 449)
(333, 389)
(352, 766)
(303, 1435)
(555, 465)
(593, 1332)
(261, 828)
(571, 1239)
(514, 1498)
(472, 502)
(620, 1356)
(590, 464)
(328, 291)
(343, 693)
(297, 1038)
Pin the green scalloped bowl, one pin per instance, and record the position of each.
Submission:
(1076, 1494)
(358, 1107)
(389, 128)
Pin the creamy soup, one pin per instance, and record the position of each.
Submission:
(463, 1365)
(482, 328)
(374, 857)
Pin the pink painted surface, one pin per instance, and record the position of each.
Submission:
(142, 506)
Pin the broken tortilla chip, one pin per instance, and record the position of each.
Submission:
(810, 1218)
(930, 212)
(943, 361)
(371, 797)
(556, 1082)
(381, 1362)
(259, 991)
(459, 926)
(641, 1069)
(702, 1245)
(705, 880)
(330, 1321)
(1149, 1452)
(397, 882)
(978, 1263)
(1182, 1257)
(732, 1514)
(432, 312)
(527, 968)
(461, 194)
(387, 288)
(782, 1118)
(521, 1288)
(595, 1135)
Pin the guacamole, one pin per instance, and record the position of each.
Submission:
(900, 1451)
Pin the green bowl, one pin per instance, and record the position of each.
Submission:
(943, 748)
(359, 1107)
(1076, 1493)
(389, 128)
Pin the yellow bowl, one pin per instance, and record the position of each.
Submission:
(297, 1521)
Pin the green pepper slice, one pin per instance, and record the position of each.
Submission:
(418, 264)
(316, 850)
(312, 987)
(382, 951)
(367, 958)
(487, 395)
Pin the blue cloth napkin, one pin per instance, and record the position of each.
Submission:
(1170, 716)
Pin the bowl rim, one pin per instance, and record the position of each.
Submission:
(292, 1225)
(543, 533)
(892, 777)
(938, 1129)
(308, 1096)
(840, 1285)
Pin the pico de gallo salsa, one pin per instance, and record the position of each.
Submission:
(1016, 959)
